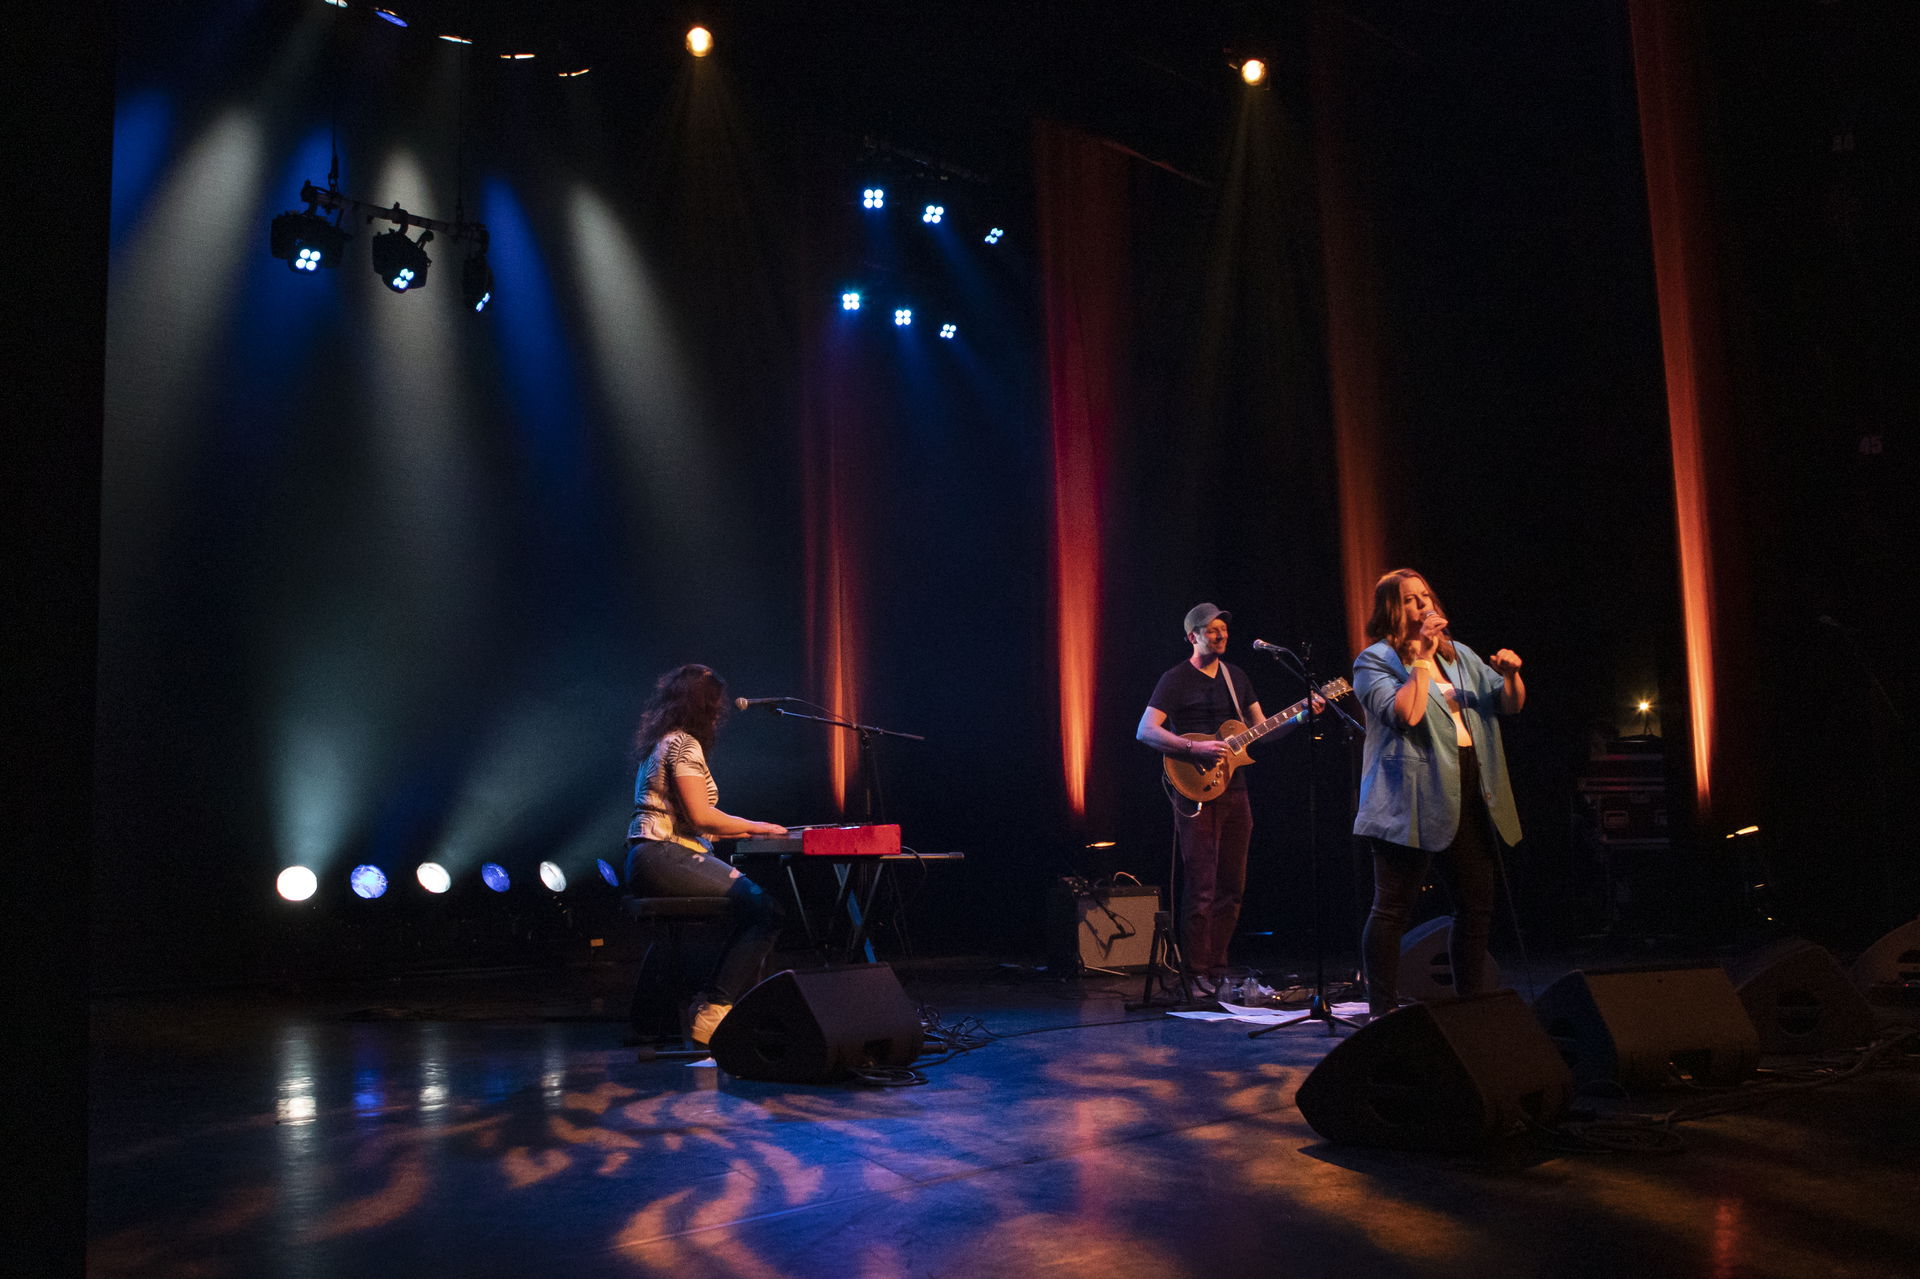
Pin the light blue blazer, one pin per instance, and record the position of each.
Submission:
(1410, 777)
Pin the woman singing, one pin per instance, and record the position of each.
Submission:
(676, 815)
(1434, 777)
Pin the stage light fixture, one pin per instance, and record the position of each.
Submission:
(932, 214)
(476, 282)
(553, 877)
(607, 872)
(948, 330)
(392, 17)
(495, 876)
(902, 316)
(367, 882)
(433, 877)
(1254, 71)
(874, 198)
(401, 263)
(296, 883)
(338, 4)
(849, 301)
(994, 234)
(699, 41)
(569, 75)
(456, 40)
(306, 241)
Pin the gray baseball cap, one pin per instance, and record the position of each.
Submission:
(1200, 614)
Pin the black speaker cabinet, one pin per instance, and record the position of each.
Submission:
(1426, 969)
(1096, 926)
(814, 1027)
(1800, 1000)
(1641, 1026)
(1456, 1075)
(1888, 972)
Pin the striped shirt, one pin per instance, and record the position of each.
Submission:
(654, 812)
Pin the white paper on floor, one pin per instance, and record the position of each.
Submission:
(1268, 1016)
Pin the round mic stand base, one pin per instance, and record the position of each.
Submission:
(1318, 1009)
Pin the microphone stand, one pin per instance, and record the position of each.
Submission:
(1318, 1009)
(869, 766)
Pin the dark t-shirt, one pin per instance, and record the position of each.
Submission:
(1196, 703)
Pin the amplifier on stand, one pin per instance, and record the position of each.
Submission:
(1100, 925)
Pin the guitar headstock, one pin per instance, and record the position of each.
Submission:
(1335, 689)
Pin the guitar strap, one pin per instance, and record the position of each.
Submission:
(1226, 673)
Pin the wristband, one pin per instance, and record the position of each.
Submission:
(1421, 663)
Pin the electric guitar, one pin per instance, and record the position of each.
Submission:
(1201, 785)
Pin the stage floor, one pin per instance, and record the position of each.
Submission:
(493, 1124)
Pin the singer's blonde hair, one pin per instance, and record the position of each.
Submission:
(1386, 621)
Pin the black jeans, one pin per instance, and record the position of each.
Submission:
(1399, 873)
(1213, 878)
(659, 869)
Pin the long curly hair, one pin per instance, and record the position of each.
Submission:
(689, 699)
(1385, 621)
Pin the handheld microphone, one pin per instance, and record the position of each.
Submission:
(744, 703)
(1432, 613)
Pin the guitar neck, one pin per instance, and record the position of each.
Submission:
(1265, 726)
(1329, 691)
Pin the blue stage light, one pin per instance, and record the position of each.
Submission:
(392, 17)
(306, 241)
(948, 330)
(902, 317)
(933, 213)
(495, 876)
(608, 873)
(476, 282)
(368, 881)
(401, 263)
(993, 236)
(874, 198)
(849, 301)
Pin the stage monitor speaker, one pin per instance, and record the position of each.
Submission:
(1800, 1000)
(1641, 1026)
(1455, 1075)
(1426, 970)
(1100, 926)
(817, 1026)
(1888, 972)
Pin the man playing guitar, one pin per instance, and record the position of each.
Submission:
(1197, 696)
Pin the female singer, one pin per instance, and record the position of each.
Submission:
(1433, 777)
(675, 818)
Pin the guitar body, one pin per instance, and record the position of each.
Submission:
(1205, 785)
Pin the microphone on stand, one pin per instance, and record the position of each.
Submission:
(1261, 646)
(744, 703)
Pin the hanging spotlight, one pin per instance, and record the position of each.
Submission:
(849, 301)
(401, 263)
(297, 883)
(948, 330)
(874, 198)
(1254, 71)
(699, 42)
(476, 282)
(306, 241)
(932, 214)
(902, 316)
(368, 881)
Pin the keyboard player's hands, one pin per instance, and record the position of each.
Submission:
(767, 830)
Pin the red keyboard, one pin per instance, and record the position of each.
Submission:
(828, 841)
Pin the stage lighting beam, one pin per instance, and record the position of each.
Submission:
(699, 41)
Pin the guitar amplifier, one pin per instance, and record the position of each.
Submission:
(1100, 925)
